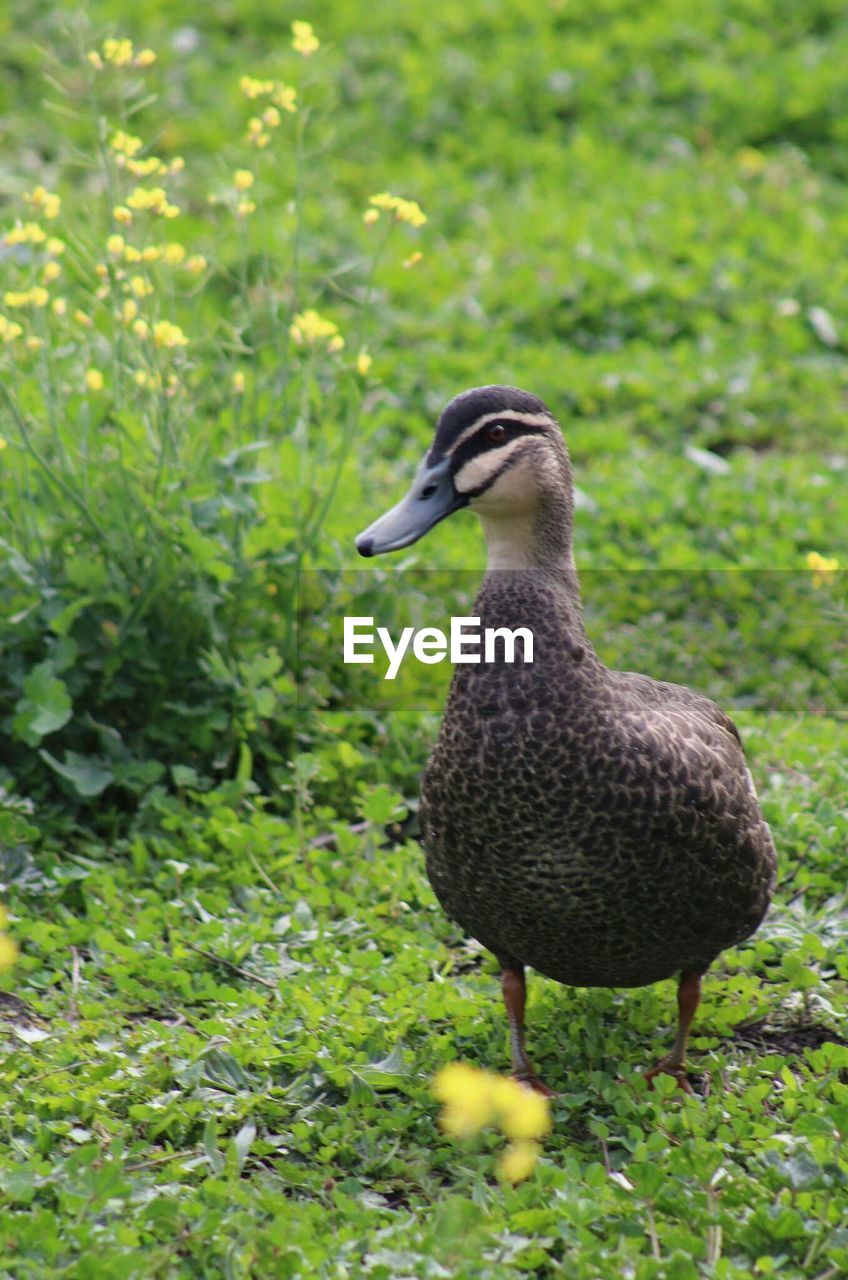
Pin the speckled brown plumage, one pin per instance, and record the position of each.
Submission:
(597, 825)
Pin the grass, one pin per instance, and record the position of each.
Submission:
(234, 985)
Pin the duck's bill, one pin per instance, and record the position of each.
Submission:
(431, 498)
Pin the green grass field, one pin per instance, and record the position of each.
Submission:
(226, 984)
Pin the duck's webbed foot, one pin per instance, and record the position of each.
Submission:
(674, 1063)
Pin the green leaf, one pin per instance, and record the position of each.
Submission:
(65, 618)
(45, 706)
(88, 775)
(243, 1141)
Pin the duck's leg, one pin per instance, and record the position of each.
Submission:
(674, 1063)
(514, 991)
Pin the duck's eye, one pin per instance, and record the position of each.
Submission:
(496, 433)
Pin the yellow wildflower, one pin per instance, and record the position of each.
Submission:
(413, 259)
(84, 320)
(3, 445)
(25, 233)
(141, 329)
(520, 1112)
(101, 271)
(94, 380)
(33, 343)
(474, 1098)
(144, 58)
(9, 330)
(118, 52)
(116, 245)
(409, 211)
(363, 364)
(140, 287)
(150, 253)
(173, 253)
(51, 272)
(304, 39)
(129, 310)
(166, 334)
(47, 203)
(37, 296)
(55, 247)
(238, 382)
(147, 167)
(256, 135)
(404, 210)
(336, 343)
(370, 216)
(518, 1161)
(196, 264)
(252, 88)
(245, 207)
(122, 215)
(140, 378)
(59, 306)
(95, 59)
(243, 179)
(309, 327)
(285, 97)
(271, 117)
(824, 568)
(125, 143)
(8, 948)
(154, 199)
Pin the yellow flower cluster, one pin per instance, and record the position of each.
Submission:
(45, 203)
(404, 210)
(280, 95)
(94, 380)
(173, 254)
(8, 948)
(824, 568)
(151, 200)
(9, 330)
(166, 334)
(308, 327)
(304, 39)
(473, 1098)
(37, 296)
(25, 233)
(120, 53)
(127, 144)
(126, 147)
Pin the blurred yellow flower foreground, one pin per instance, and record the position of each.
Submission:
(474, 1098)
(8, 949)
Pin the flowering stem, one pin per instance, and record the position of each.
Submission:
(57, 480)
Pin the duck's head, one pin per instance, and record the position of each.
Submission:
(499, 451)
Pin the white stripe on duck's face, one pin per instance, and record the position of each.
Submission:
(501, 480)
(504, 415)
(508, 506)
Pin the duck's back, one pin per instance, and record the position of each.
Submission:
(597, 825)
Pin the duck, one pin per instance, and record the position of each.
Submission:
(600, 827)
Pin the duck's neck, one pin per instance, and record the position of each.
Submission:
(538, 539)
